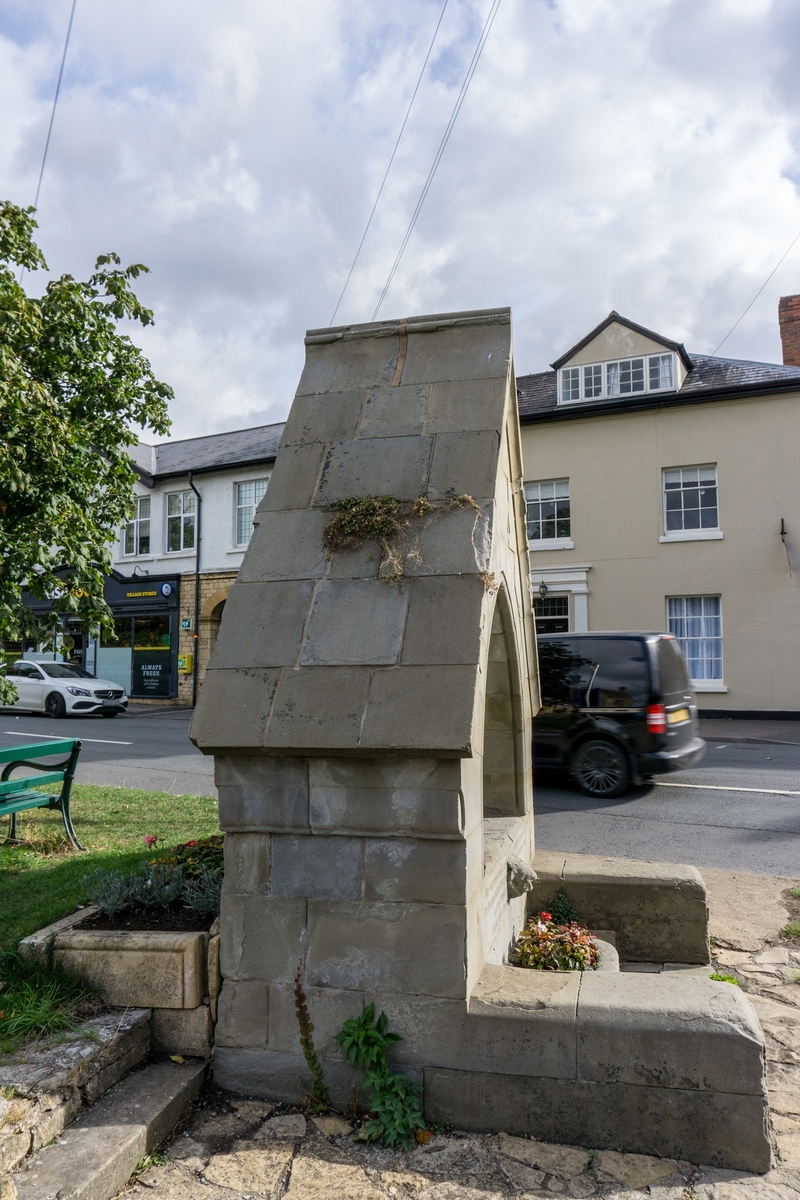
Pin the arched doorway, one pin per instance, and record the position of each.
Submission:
(503, 790)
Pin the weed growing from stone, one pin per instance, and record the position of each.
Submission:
(792, 930)
(720, 978)
(796, 893)
(38, 999)
(395, 1114)
(319, 1091)
(385, 520)
(548, 946)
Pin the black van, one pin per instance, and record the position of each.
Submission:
(616, 709)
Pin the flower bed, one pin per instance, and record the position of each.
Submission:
(547, 946)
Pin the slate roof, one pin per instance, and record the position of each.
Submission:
(213, 452)
(710, 379)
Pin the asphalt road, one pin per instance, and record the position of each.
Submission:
(738, 810)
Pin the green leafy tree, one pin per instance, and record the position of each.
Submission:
(71, 389)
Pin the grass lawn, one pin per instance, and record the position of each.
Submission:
(41, 879)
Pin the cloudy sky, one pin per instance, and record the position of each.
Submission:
(642, 155)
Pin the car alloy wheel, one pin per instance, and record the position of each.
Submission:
(55, 706)
(600, 769)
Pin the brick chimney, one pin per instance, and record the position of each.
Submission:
(789, 322)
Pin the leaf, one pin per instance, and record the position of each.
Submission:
(178, 1058)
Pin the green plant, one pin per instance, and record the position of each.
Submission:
(547, 946)
(195, 856)
(721, 978)
(792, 930)
(110, 890)
(38, 999)
(203, 894)
(395, 1112)
(562, 909)
(319, 1090)
(157, 885)
(796, 893)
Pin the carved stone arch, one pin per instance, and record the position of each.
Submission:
(214, 601)
(504, 758)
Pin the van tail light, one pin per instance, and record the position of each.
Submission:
(656, 718)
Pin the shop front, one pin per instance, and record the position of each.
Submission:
(141, 654)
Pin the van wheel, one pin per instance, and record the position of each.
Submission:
(600, 769)
(54, 705)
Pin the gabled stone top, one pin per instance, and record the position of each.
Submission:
(317, 654)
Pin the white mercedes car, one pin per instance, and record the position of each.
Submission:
(60, 689)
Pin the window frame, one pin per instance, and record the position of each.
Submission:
(135, 525)
(684, 534)
(237, 507)
(559, 541)
(710, 684)
(562, 598)
(566, 378)
(186, 516)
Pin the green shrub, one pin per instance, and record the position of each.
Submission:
(562, 909)
(195, 856)
(720, 978)
(792, 930)
(110, 890)
(157, 885)
(546, 946)
(395, 1113)
(38, 999)
(204, 893)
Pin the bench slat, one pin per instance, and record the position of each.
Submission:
(30, 800)
(12, 786)
(38, 750)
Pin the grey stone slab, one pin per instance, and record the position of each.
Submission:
(188, 1031)
(453, 354)
(274, 615)
(284, 1078)
(286, 545)
(247, 863)
(720, 1129)
(219, 724)
(329, 417)
(345, 363)
(444, 620)
(469, 404)
(294, 477)
(260, 937)
(329, 1008)
(418, 870)
(95, 1157)
(356, 621)
(374, 467)
(377, 946)
(262, 793)
(394, 411)
(359, 563)
(391, 797)
(454, 542)
(423, 774)
(662, 1031)
(421, 708)
(464, 463)
(244, 1015)
(319, 708)
(319, 867)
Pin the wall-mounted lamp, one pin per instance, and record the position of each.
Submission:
(543, 590)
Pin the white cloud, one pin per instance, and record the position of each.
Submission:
(634, 154)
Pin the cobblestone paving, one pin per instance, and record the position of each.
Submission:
(233, 1148)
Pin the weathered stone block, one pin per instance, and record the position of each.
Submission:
(359, 468)
(441, 348)
(294, 477)
(349, 362)
(247, 863)
(421, 708)
(286, 545)
(223, 724)
(356, 621)
(274, 615)
(329, 1009)
(417, 870)
(260, 937)
(377, 947)
(394, 411)
(654, 1031)
(326, 417)
(441, 608)
(716, 1128)
(183, 1031)
(464, 463)
(142, 970)
(243, 1014)
(465, 405)
(284, 1078)
(319, 708)
(318, 867)
(454, 542)
(393, 797)
(214, 974)
(261, 793)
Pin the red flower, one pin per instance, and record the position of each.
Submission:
(546, 916)
(150, 840)
(192, 843)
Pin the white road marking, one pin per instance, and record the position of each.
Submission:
(716, 787)
(52, 737)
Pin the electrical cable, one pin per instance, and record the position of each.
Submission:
(487, 27)
(758, 293)
(53, 112)
(389, 167)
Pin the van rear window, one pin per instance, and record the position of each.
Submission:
(672, 673)
(614, 670)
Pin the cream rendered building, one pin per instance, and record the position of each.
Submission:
(658, 485)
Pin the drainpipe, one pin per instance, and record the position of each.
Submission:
(198, 529)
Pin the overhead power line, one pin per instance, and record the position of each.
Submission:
(487, 27)
(758, 293)
(389, 167)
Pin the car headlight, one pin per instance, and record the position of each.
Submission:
(75, 691)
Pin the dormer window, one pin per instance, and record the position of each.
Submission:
(625, 377)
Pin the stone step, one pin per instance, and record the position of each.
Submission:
(95, 1157)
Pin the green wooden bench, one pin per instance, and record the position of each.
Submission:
(17, 795)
